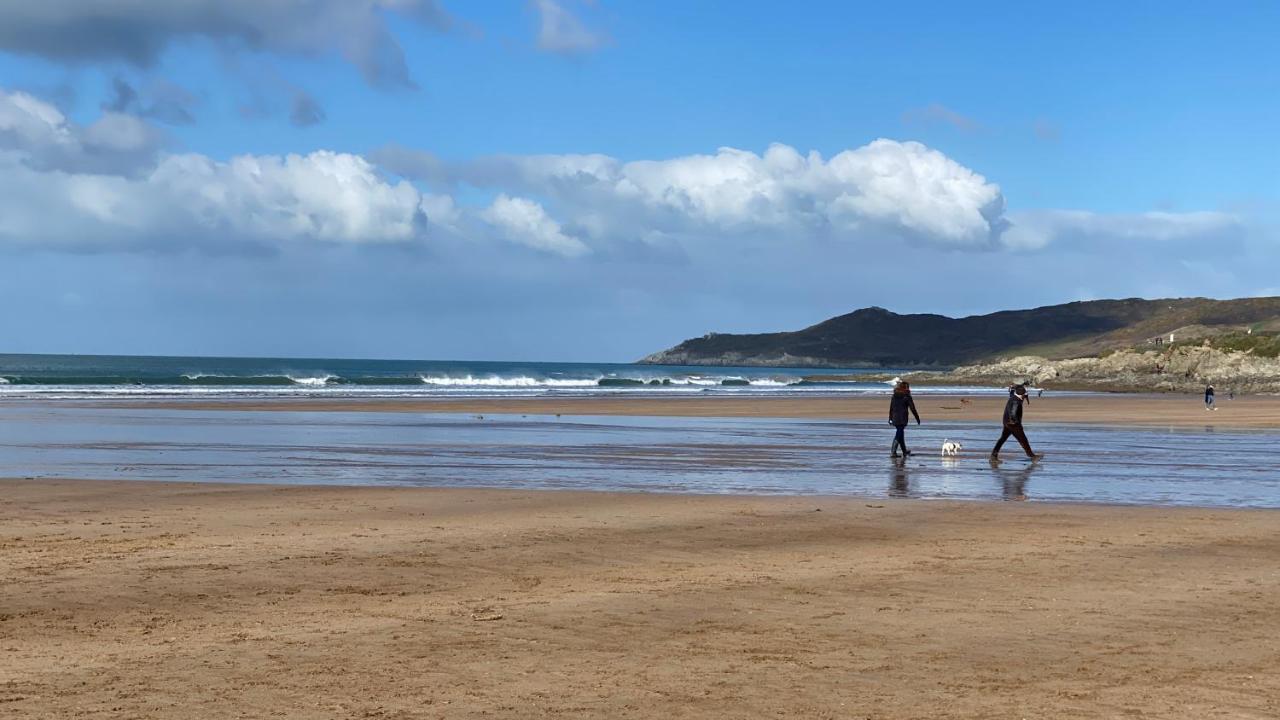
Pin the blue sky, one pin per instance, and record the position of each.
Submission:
(543, 180)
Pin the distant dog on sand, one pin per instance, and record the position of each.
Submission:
(951, 448)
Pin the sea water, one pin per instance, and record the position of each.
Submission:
(1128, 465)
(106, 376)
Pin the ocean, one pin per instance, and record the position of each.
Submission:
(73, 376)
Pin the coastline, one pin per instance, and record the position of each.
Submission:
(401, 603)
(1164, 410)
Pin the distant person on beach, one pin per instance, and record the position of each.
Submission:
(1013, 422)
(899, 406)
(1208, 397)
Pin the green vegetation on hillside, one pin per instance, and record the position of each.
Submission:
(1260, 344)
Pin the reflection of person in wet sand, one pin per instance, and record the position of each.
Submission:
(899, 481)
(1013, 423)
(1013, 484)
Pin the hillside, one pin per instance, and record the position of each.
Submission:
(877, 337)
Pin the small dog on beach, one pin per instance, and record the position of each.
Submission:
(951, 448)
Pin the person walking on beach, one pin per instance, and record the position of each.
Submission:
(899, 406)
(1013, 422)
(1208, 397)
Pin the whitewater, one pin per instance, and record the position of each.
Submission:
(89, 376)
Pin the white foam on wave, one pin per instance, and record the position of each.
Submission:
(4, 381)
(495, 381)
(312, 381)
(694, 380)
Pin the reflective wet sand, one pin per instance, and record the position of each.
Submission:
(1203, 466)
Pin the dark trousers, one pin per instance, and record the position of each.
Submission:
(1015, 431)
(899, 439)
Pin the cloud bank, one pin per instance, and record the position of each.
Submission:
(885, 189)
(116, 184)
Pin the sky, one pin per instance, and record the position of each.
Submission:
(596, 180)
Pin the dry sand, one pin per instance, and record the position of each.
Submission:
(1255, 411)
(141, 600)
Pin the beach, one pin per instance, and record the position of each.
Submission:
(352, 558)
(180, 600)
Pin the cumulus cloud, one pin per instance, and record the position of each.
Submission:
(109, 185)
(560, 31)
(139, 31)
(527, 223)
(886, 189)
(191, 200)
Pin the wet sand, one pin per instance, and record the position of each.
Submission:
(1150, 410)
(174, 600)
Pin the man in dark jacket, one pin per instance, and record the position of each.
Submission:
(899, 406)
(1013, 422)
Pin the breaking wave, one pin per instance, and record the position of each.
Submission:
(500, 382)
(106, 376)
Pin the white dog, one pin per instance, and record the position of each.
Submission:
(951, 448)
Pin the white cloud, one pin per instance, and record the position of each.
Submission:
(560, 31)
(886, 189)
(526, 222)
(110, 185)
(139, 31)
(107, 186)
(191, 200)
(324, 195)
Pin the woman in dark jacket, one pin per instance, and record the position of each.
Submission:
(899, 406)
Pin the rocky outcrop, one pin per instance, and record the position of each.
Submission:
(1183, 369)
